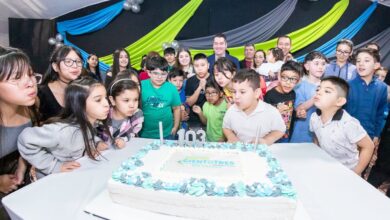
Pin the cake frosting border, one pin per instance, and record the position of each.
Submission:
(281, 185)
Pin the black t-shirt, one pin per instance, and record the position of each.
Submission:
(191, 86)
(276, 98)
(48, 104)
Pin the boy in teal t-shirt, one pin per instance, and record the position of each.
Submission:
(213, 112)
(160, 101)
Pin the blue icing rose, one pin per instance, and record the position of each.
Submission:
(241, 188)
(262, 153)
(288, 191)
(138, 163)
(138, 182)
(231, 191)
(148, 183)
(210, 189)
(145, 174)
(157, 185)
(183, 189)
(276, 192)
(196, 188)
(263, 190)
(128, 165)
(131, 180)
(219, 191)
(171, 186)
(116, 175)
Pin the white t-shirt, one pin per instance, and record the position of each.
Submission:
(264, 119)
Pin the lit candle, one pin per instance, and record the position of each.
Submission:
(160, 125)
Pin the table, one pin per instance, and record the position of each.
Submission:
(327, 189)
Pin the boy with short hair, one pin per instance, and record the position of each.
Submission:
(169, 55)
(160, 101)
(177, 78)
(283, 95)
(250, 118)
(367, 99)
(195, 89)
(337, 132)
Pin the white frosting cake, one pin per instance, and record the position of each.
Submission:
(219, 181)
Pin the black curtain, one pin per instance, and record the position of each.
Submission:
(31, 35)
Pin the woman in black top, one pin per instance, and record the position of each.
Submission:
(65, 66)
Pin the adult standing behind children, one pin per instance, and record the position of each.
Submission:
(18, 92)
(250, 118)
(220, 47)
(367, 98)
(248, 61)
(337, 132)
(342, 67)
(195, 89)
(160, 101)
(121, 62)
(65, 66)
(284, 43)
(314, 64)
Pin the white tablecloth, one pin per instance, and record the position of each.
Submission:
(326, 189)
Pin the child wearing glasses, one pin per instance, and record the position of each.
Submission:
(160, 101)
(65, 66)
(314, 64)
(342, 67)
(213, 111)
(283, 95)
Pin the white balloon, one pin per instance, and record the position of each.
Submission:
(59, 44)
(135, 8)
(52, 41)
(175, 44)
(59, 37)
(165, 45)
(132, 2)
(126, 6)
(139, 1)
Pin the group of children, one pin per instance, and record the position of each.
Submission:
(343, 118)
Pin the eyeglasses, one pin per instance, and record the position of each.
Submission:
(69, 62)
(211, 94)
(343, 52)
(158, 74)
(35, 78)
(288, 79)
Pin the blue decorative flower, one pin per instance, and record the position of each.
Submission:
(196, 188)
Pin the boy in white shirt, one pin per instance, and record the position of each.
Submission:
(249, 117)
(337, 132)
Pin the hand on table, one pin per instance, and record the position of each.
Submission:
(120, 143)
(69, 166)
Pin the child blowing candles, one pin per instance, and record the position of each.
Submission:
(18, 92)
(55, 147)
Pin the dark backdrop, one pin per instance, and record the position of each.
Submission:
(214, 16)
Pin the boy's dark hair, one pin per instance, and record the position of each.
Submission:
(200, 56)
(212, 84)
(283, 36)
(293, 66)
(375, 44)
(153, 63)
(169, 50)
(175, 73)
(372, 52)
(277, 53)
(342, 86)
(221, 35)
(315, 55)
(249, 75)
